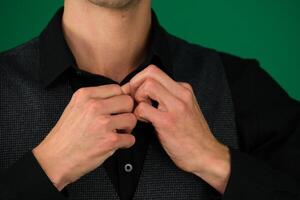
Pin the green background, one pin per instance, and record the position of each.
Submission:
(268, 30)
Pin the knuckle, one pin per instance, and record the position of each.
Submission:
(152, 69)
(149, 84)
(93, 105)
(187, 85)
(112, 140)
(116, 88)
(79, 94)
(181, 107)
(104, 120)
(187, 95)
(129, 101)
(132, 119)
(139, 109)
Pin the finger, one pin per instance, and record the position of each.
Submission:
(186, 86)
(148, 113)
(155, 73)
(125, 122)
(117, 104)
(125, 141)
(126, 88)
(103, 91)
(152, 89)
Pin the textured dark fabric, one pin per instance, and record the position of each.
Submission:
(268, 123)
(52, 38)
(27, 114)
(160, 177)
(264, 150)
(36, 109)
(124, 182)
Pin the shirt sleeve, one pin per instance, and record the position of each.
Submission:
(267, 166)
(25, 179)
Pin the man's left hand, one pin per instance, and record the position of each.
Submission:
(180, 125)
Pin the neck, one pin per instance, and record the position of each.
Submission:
(108, 42)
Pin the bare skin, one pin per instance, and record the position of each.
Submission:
(109, 37)
(85, 135)
(106, 41)
(180, 125)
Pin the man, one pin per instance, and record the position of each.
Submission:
(105, 104)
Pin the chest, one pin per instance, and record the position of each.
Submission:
(28, 113)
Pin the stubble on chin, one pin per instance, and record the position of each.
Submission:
(114, 4)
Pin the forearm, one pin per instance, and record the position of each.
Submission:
(214, 167)
(236, 174)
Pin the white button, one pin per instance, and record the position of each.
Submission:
(128, 167)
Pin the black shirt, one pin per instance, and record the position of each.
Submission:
(260, 104)
(125, 181)
(124, 177)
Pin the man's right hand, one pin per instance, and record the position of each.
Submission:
(85, 135)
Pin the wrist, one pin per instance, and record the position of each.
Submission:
(51, 167)
(214, 167)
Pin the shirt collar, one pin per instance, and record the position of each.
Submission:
(56, 57)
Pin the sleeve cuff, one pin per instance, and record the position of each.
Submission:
(27, 180)
(252, 178)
